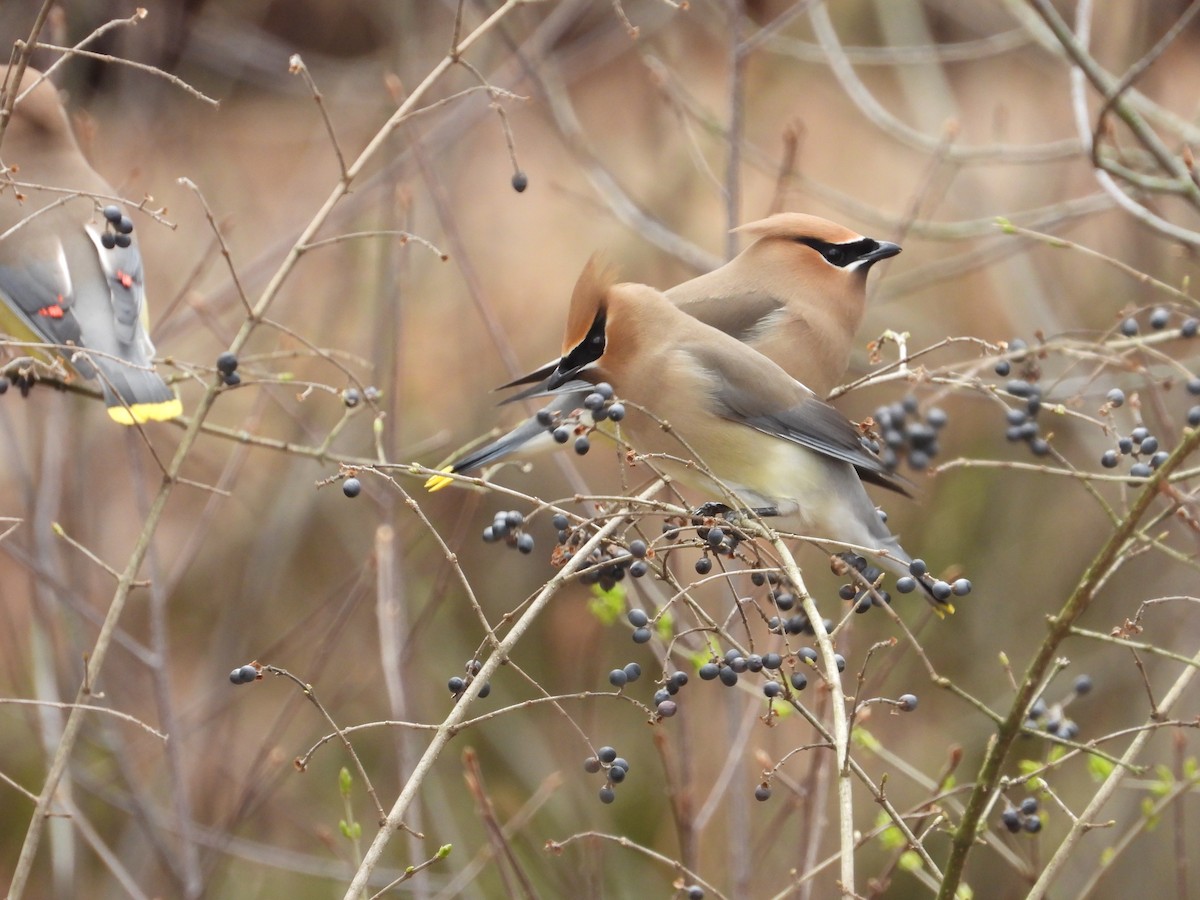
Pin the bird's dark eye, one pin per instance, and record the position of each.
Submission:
(834, 254)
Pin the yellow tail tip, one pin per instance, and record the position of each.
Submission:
(139, 413)
(437, 482)
(943, 609)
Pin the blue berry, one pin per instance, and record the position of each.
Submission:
(908, 702)
(520, 181)
(1116, 397)
(351, 487)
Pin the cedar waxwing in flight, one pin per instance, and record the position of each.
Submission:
(797, 294)
(70, 272)
(778, 447)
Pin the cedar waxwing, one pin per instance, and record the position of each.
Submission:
(778, 447)
(70, 273)
(797, 294)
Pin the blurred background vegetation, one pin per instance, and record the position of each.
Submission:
(625, 142)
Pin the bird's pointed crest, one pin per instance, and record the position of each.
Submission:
(587, 300)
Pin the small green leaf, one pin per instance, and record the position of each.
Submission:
(1099, 767)
(607, 606)
(665, 625)
(344, 828)
(1107, 855)
(345, 781)
(910, 861)
(865, 739)
(1148, 812)
(444, 850)
(1028, 766)
(964, 892)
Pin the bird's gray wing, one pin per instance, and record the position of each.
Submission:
(746, 397)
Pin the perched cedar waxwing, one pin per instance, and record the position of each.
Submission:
(797, 294)
(70, 272)
(778, 447)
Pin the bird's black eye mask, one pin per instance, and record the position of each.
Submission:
(590, 349)
(841, 255)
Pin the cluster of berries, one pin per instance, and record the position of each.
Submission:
(664, 705)
(459, 683)
(1160, 318)
(607, 564)
(1051, 718)
(615, 769)
(727, 668)
(1022, 420)
(598, 406)
(506, 526)
(903, 433)
(1140, 445)
(352, 396)
(1022, 818)
(117, 228)
(227, 364)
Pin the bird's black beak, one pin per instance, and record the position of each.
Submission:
(885, 250)
(559, 376)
